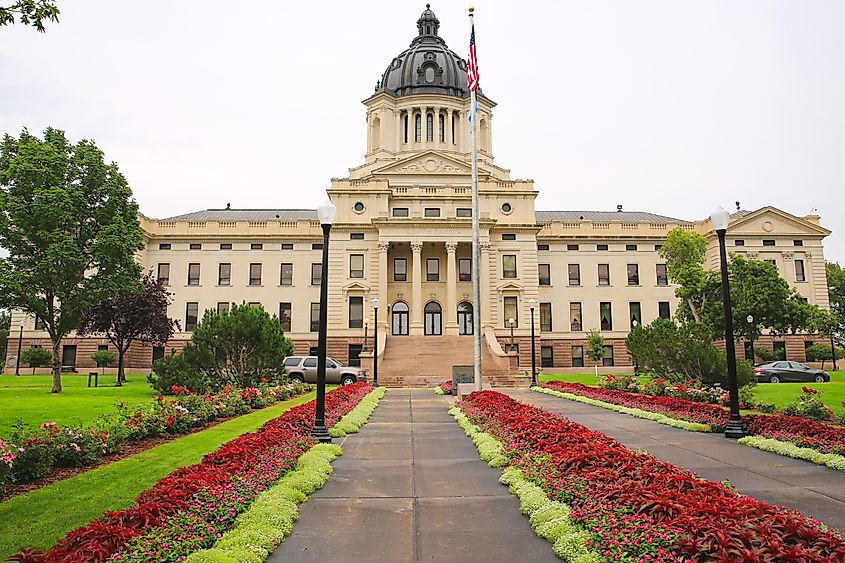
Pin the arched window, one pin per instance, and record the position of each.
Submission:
(429, 127)
(418, 128)
(442, 124)
(433, 319)
(482, 138)
(406, 127)
(465, 318)
(376, 138)
(454, 120)
(399, 319)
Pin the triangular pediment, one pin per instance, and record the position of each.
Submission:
(429, 162)
(510, 286)
(773, 220)
(356, 286)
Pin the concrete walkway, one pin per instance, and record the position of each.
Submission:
(812, 489)
(410, 487)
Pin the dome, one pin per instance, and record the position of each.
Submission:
(428, 66)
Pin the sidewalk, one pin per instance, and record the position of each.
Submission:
(813, 490)
(410, 487)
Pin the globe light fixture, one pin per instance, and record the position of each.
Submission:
(326, 214)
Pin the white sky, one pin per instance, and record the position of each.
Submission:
(663, 106)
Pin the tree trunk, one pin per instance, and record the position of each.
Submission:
(597, 369)
(57, 368)
(120, 378)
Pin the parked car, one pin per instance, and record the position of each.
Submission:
(304, 368)
(775, 372)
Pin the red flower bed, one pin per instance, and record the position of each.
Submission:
(446, 387)
(281, 440)
(638, 508)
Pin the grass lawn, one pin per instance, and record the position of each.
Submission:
(28, 397)
(585, 378)
(42, 517)
(831, 394)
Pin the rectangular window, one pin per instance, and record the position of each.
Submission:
(631, 247)
(547, 356)
(400, 269)
(316, 246)
(662, 276)
(164, 274)
(607, 360)
(356, 236)
(574, 274)
(510, 311)
(739, 242)
(633, 274)
(256, 246)
(315, 317)
(635, 311)
(195, 246)
(287, 246)
(604, 274)
(571, 247)
(164, 246)
(39, 324)
(663, 310)
(779, 348)
(575, 317)
(225, 246)
(313, 351)
(464, 269)
(797, 242)
(222, 307)
(255, 304)
(356, 265)
(285, 316)
(316, 273)
(577, 356)
(509, 266)
(545, 274)
(356, 312)
(542, 247)
(355, 354)
(192, 309)
(508, 236)
(432, 269)
(658, 246)
(193, 274)
(255, 274)
(799, 271)
(768, 242)
(545, 317)
(432, 212)
(601, 247)
(224, 274)
(606, 315)
(286, 274)
(400, 211)
(463, 212)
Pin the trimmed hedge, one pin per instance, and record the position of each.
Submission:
(834, 461)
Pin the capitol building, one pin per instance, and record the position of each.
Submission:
(403, 234)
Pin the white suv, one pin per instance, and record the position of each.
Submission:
(304, 368)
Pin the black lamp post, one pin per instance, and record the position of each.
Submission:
(512, 321)
(634, 324)
(531, 305)
(366, 324)
(734, 428)
(20, 342)
(375, 341)
(750, 319)
(325, 213)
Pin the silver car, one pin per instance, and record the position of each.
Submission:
(304, 368)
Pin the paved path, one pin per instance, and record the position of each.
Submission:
(410, 487)
(812, 489)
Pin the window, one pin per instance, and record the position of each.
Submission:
(400, 269)
(542, 247)
(158, 353)
(507, 208)
(509, 266)
(799, 271)
(768, 242)
(359, 206)
(454, 120)
(164, 274)
(779, 347)
(356, 312)
(547, 356)
(663, 310)
(355, 354)
(400, 211)
(545, 317)
(577, 356)
(193, 274)
(508, 236)
(604, 274)
(658, 246)
(316, 273)
(571, 247)
(195, 246)
(356, 265)
(633, 274)
(164, 246)
(575, 317)
(256, 246)
(225, 246)
(739, 242)
(464, 269)
(574, 274)
(463, 212)
(545, 274)
(286, 274)
(311, 362)
(287, 246)
(224, 274)
(255, 274)
(433, 319)
(222, 307)
(510, 311)
(417, 128)
(797, 243)
(405, 127)
(191, 311)
(432, 212)
(607, 360)
(39, 324)
(635, 311)
(465, 318)
(601, 247)
(662, 276)
(442, 122)
(315, 317)
(606, 315)
(285, 316)
(631, 247)
(429, 127)
(356, 236)
(771, 261)
(399, 319)
(432, 269)
(317, 246)
(255, 304)
(747, 349)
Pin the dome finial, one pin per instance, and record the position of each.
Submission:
(428, 23)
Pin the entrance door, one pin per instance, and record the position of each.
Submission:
(465, 318)
(399, 315)
(433, 319)
(69, 357)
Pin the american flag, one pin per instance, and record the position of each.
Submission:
(472, 63)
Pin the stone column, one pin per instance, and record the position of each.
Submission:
(398, 124)
(382, 285)
(451, 288)
(449, 144)
(416, 286)
(486, 319)
(435, 126)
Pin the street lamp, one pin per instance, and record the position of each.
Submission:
(750, 319)
(531, 304)
(366, 322)
(375, 341)
(512, 322)
(634, 324)
(325, 213)
(733, 429)
(20, 341)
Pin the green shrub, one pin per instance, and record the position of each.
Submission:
(174, 371)
(769, 355)
(36, 357)
(104, 358)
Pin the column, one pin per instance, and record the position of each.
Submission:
(435, 125)
(484, 282)
(451, 312)
(398, 126)
(416, 286)
(382, 285)
(449, 144)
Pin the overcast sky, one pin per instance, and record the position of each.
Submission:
(663, 106)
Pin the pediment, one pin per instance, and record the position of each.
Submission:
(509, 286)
(430, 162)
(355, 287)
(771, 220)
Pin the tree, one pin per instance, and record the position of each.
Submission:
(684, 255)
(36, 357)
(823, 352)
(140, 315)
(104, 359)
(30, 12)
(5, 321)
(71, 229)
(836, 292)
(595, 348)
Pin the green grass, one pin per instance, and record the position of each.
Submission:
(831, 394)
(585, 378)
(28, 397)
(42, 517)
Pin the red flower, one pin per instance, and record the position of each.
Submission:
(263, 380)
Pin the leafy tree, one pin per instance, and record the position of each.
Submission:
(140, 315)
(836, 292)
(30, 12)
(684, 255)
(36, 357)
(71, 229)
(104, 359)
(822, 352)
(769, 355)
(595, 348)
(5, 321)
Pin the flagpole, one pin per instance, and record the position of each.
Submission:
(476, 248)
